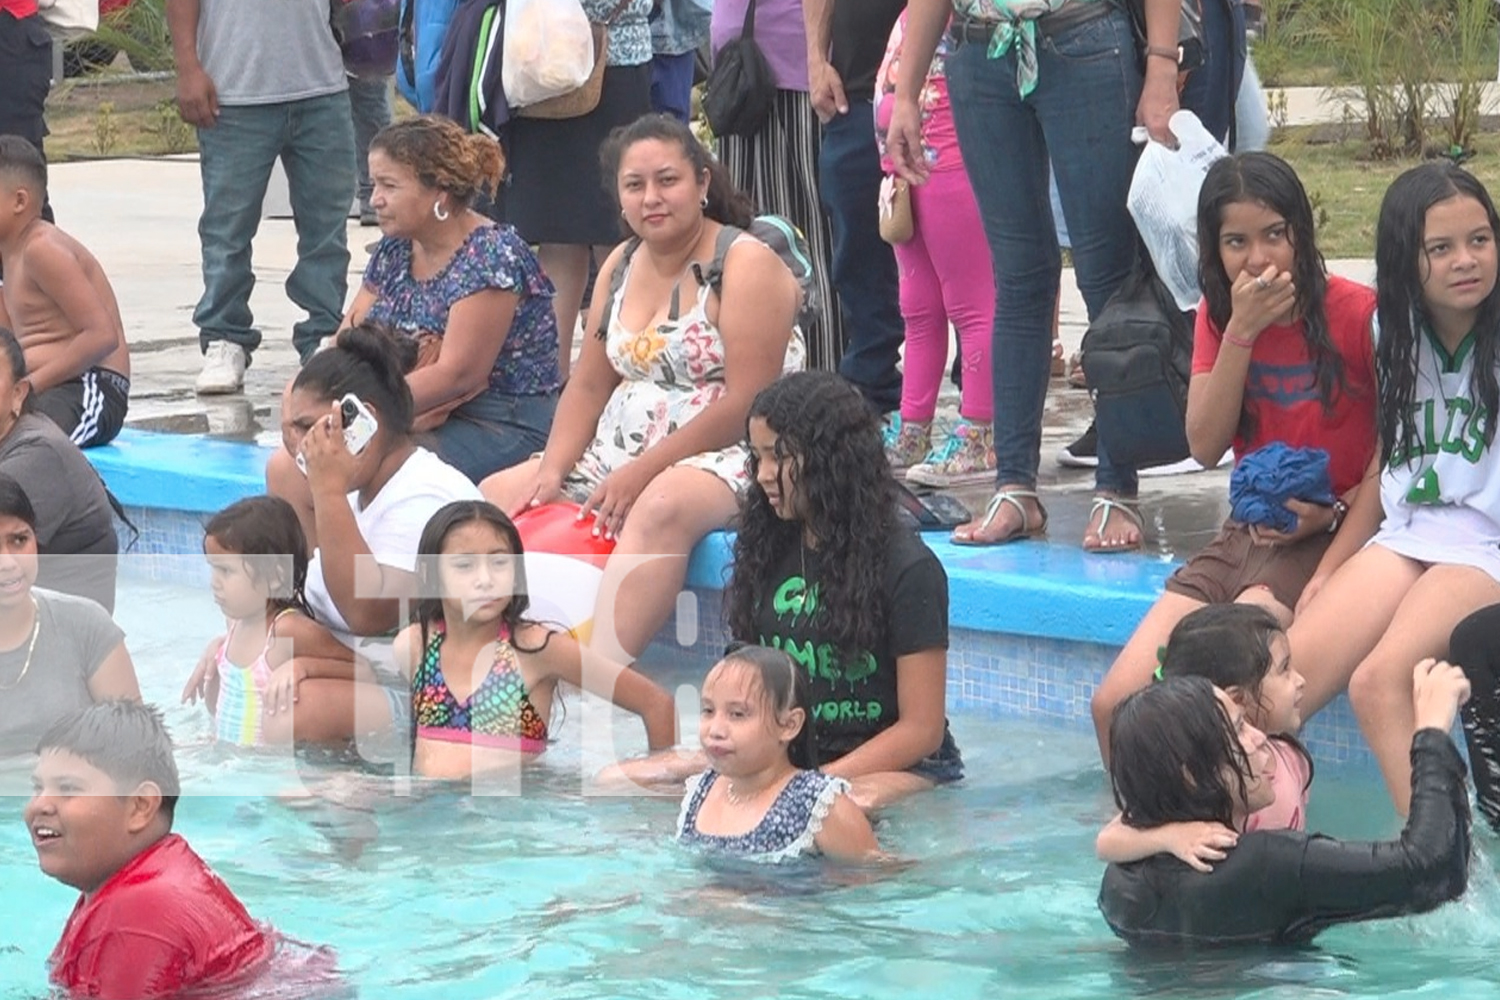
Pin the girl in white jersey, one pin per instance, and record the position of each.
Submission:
(1433, 529)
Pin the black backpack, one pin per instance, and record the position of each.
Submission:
(1138, 357)
(740, 92)
(775, 231)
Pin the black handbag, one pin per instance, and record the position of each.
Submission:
(1138, 355)
(740, 92)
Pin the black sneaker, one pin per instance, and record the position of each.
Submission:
(1082, 453)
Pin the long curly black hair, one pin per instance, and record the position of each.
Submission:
(1270, 181)
(833, 459)
(1400, 267)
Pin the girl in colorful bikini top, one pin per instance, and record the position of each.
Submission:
(483, 678)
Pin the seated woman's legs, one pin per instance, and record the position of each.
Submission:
(331, 713)
(508, 488)
(1381, 688)
(493, 432)
(285, 480)
(646, 572)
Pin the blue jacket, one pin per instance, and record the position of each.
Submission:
(424, 23)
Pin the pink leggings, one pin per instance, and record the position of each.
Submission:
(946, 275)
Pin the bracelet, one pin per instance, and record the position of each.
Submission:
(1248, 345)
(1161, 52)
(1339, 510)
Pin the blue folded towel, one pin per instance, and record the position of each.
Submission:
(1268, 477)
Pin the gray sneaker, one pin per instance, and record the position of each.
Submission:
(223, 369)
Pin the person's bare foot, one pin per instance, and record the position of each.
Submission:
(1013, 513)
(1114, 525)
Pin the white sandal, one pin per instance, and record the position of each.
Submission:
(992, 510)
(1110, 505)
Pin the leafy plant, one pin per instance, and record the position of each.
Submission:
(174, 134)
(106, 129)
(140, 31)
(1471, 25)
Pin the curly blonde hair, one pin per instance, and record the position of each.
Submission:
(444, 156)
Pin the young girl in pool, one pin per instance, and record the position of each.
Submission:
(761, 797)
(1243, 651)
(1281, 353)
(483, 677)
(1435, 557)
(824, 571)
(274, 654)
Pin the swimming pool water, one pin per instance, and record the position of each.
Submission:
(554, 894)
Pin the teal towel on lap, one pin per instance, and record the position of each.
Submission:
(1268, 477)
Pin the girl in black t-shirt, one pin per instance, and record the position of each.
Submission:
(820, 565)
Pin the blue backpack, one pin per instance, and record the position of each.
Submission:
(423, 25)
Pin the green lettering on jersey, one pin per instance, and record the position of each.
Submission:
(1426, 490)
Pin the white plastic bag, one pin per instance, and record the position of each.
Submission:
(549, 50)
(69, 20)
(1163, 200)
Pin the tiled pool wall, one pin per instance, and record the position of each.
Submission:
(991, 674)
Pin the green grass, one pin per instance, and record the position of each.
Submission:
(1346, 186)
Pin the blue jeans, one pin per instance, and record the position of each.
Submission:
(1212, 88)
(370, 103)
(1079, 118)
(864, 267)
(672, 85)
(314, 139)
(494, 431)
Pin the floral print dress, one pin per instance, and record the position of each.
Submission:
(670, 372)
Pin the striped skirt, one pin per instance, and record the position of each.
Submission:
(778, 168)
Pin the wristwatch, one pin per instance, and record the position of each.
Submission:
(1339, 510)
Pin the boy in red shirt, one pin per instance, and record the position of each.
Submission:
(153, 918)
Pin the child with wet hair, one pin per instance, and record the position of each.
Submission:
(153, 920)
(762, 797)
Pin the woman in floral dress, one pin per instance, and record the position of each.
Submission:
(648, 437)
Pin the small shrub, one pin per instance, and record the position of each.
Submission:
(106, 129)
(173, 135)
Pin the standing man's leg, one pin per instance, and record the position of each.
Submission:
(25, 78)
(370, 102)
(235, 158)
(864, 268)
(319, 161)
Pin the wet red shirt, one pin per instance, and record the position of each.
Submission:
(162, 923)
(18, 8)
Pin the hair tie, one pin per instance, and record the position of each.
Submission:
(1161, 658)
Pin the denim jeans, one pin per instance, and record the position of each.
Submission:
(864, 268)
(370, 102)
(672, 85)
(494, 431)
(1212, 89)
(314, 139)
(1079, 119)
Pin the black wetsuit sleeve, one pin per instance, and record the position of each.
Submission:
(1428, 865)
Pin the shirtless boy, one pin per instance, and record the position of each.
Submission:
(61, 307)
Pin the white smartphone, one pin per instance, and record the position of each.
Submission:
(359, 423)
